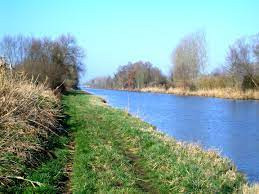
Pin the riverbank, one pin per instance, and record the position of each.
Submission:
(108, 150)
(115, 152)
(227, 93)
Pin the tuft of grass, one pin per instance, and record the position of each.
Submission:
(48, 177)
(115, 152)
(250, 189)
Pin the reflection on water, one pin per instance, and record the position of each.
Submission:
(231, 126)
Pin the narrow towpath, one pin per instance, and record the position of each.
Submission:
(130, 152)
(104, 159)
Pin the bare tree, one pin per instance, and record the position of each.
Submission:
(189, 58)
(14, 49)
(241, 64)
(58, 61)
(256, 53)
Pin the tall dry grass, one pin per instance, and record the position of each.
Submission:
(230, 93)
(28, 115)
(250, 189)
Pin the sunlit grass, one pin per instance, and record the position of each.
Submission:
(115, 152)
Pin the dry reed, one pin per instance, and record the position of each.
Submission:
(229, 93)
(28, 115)
(250, 189)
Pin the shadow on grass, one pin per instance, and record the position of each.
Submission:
(46, 173)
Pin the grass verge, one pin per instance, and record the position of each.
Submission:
(115, 152)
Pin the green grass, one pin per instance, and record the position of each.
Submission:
(50, 173)
(116, 153)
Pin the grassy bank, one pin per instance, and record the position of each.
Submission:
(228, 93)
(115, 152)
(32, 143)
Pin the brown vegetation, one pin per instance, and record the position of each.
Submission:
(32, 72)
(28, 116)
(250, 189)
(229, 93)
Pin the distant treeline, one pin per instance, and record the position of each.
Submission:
(133, 75)
(55, 62)
(189, 61)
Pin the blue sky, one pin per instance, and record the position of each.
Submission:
(114, 32)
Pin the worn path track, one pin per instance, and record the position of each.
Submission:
(130, 153)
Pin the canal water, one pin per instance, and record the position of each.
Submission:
(229, 126)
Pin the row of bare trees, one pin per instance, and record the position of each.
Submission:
(56, 62)
(189, 59)
(132, 76)
(241, 69)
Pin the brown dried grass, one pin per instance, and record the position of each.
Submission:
(28, 115)
(250, 189)
(230, 93)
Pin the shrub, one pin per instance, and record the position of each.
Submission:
(213, 82)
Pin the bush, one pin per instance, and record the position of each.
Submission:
(213, 82)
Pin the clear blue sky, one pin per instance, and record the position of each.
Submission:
(118, 31)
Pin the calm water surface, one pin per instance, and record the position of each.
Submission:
(230, 126)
